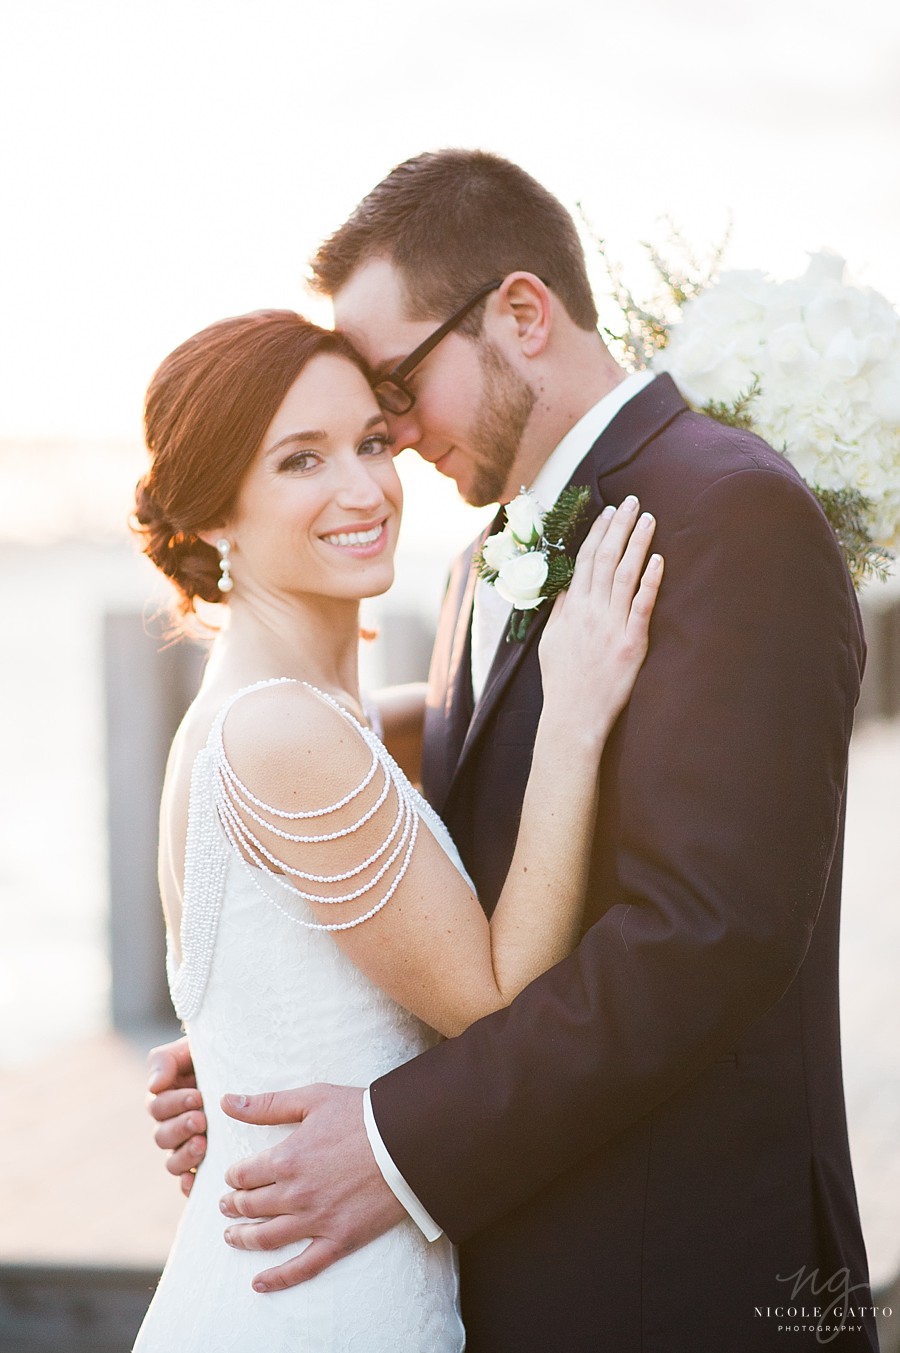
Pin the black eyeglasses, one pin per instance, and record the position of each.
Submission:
(391, 391)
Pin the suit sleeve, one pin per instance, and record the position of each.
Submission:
(720, 803)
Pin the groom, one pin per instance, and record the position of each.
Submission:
(647, 1150)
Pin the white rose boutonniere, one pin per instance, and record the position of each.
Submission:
(520, 580)
(527, 561)
(499, 549)
(524, 519)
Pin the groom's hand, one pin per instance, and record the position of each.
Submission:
(176, 1105)
(321, 1181)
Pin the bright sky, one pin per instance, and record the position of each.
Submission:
(164, 164)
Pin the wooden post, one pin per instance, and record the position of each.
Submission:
(148, 688)
(880, 694)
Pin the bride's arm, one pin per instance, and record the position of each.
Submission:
(431, 947)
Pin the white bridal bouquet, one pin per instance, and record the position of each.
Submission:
(812, 365)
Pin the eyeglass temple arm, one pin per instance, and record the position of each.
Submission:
(409, 363)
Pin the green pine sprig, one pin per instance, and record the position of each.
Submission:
(559, 574)
(565, 516)
(483, 568)
(849, 513)
(736, 414)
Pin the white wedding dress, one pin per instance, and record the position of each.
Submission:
(270, 1004)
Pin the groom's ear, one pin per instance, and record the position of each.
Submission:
(525, 300)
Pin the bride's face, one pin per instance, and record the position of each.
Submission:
(319, 508)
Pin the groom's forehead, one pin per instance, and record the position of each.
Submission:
(370, 309)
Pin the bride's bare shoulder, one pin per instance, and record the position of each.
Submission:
(286, 735)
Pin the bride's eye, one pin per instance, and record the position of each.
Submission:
(300, 460)
(376, 444)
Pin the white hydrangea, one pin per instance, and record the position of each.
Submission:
(827, 356)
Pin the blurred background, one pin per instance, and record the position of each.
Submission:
(166, 164)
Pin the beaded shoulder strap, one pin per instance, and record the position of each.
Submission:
(222, 809)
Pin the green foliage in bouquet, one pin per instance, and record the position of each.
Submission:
(736, 414)
(848, 512)
(679, 275)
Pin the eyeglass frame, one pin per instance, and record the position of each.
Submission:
(396, 378)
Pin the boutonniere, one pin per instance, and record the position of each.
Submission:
(528, 561)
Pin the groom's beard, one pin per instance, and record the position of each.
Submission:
(502, 416)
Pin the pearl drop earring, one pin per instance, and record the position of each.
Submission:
(225, 583)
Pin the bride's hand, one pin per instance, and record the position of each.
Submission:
(596, 638)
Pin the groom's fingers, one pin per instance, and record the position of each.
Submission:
(263, 1200)
(270, 1234)
(256, 1172)
(274, 1107)
(170, 1067)
(318, 1256)
(187, 1157)
(177, 1131)
(171, 1104)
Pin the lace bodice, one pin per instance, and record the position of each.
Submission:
(271, 1002)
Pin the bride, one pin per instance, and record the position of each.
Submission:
(321, 926)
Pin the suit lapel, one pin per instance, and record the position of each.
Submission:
(449, 706)
(641, 419)
(510, 655)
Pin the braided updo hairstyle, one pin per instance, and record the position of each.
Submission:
(206, 413)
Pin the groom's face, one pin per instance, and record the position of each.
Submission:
(472, 406)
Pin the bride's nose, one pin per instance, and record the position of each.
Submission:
(360, 487)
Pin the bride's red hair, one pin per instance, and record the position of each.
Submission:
(206, 412)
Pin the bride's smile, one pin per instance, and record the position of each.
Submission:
(318, 510)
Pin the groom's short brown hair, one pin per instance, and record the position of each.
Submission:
(452, 220)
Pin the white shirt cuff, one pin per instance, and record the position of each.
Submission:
(393, 1178)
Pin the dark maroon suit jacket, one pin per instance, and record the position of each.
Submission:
(640, 1152)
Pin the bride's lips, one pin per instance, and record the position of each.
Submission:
(361, 539)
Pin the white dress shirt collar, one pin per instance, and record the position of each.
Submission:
(490, 613)
(562, 462)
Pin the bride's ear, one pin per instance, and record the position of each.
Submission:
(213, 537)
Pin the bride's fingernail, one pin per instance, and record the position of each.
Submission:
(608, 512)
(646, 520)
(630, 502)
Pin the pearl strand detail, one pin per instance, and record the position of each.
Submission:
(230, 796)
(216, 833)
